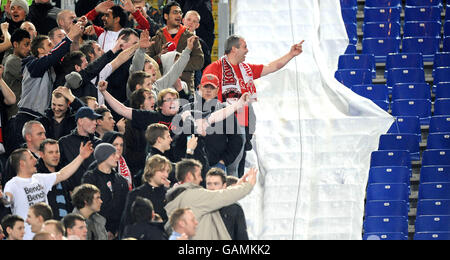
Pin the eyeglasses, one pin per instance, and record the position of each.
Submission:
(177, 12)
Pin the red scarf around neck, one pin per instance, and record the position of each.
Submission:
(169, 37)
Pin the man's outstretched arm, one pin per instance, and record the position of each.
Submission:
(276, 65)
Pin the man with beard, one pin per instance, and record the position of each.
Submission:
(86, 120)
(59, 120)
(58, 197)
(21, 42)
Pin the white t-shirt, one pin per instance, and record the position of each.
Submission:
(27, 192)
(107, 40)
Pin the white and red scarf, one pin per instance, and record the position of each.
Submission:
(232, 86)
(124, 171)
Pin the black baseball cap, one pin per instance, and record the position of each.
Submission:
(87, 112)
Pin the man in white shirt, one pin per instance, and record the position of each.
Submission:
(29, 188)
(114, 21)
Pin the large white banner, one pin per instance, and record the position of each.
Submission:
(313, 135)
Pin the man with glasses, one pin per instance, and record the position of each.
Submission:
(173, 37)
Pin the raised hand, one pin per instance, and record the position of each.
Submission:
(296, 49)
(191, 41)
(104, 6)
(86, 150)
(144, 40)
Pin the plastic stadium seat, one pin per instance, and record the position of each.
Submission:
(442, 107)
(383, 3)
(390, 158)
(384, 236)
(433, 207)
(422, 29)
(438, 141)
(350, 77)
(349, 15)
(411, 91)
(357, 61)
(423, 3)
(351, 49)
(386, 224)
(406, 125)
(349, 3)
(446, 47)
(443, 90)
(352, 32)
(441, 59)
(436, 157)
(372, 91)
(391, 191)
(405, 75)
(434, 190)
(428, 46)
(432, 236)
(380, 47)
(447, 28)
(389, 174)
(388, 208)
(433, 223)
(402, 142)
(441, 75)
(382, 14)
(435, 174)
(413, 107)
(422, 13)
(439, 124)
(381, 30)
(403, 60)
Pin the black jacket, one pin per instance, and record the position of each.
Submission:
(234, 219)
(43, 16)
(69, 147)
(113, 189)
(157, 195)
(146, 231)
(67, 124)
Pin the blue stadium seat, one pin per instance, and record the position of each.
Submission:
(442, 107)
(349, 3)
(441, 75)
(388, 208)
(381, 30)
(372, 91)
(441, 59)
(446, 47)
(406, 125)
(357, 61)
(435, 174)
(432, 236)
(411, 91)
(432, 223)
(380, 47)
(428, 46)
(351, 49)
(434, 190)
(349, 15)
(403, 60)
(413, 107)
(447, 28)
(389, 174)
(402, 142)
(383, 3)
(350, 77)
(390, 158)
(382, 14)
(438, 141)
(386, 224)
(440, 124)
(352, 33)
(423, 3)
(385, 236)
(405, 75)
(422, 29)
(423, 13)
(433, 207)
(436, 157)
(391, 191)
(443, 90)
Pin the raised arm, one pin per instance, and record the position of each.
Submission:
(9, 98)
(115, 104)
(65, 173)
(276, 65)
